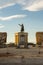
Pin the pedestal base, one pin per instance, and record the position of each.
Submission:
(21, 38)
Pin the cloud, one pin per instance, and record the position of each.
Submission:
(6, 5)
(12, 17)
(2, 26)
(30, 5)
(36, 6)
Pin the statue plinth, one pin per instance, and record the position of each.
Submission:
(21, 38)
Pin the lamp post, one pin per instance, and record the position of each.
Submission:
(39, 48)
(39, 44)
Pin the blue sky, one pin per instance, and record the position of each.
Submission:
(28, 12)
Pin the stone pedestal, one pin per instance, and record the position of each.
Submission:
(21, 38)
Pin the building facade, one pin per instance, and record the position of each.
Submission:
(3, 37)
(39, 37)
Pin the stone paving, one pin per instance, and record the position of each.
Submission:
(21, 56)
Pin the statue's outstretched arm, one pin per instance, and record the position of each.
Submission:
(19, 25)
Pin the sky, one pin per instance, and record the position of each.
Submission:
(27, 12)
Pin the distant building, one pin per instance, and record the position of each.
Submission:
(39, 37)
(3, 37)
(21, 38)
